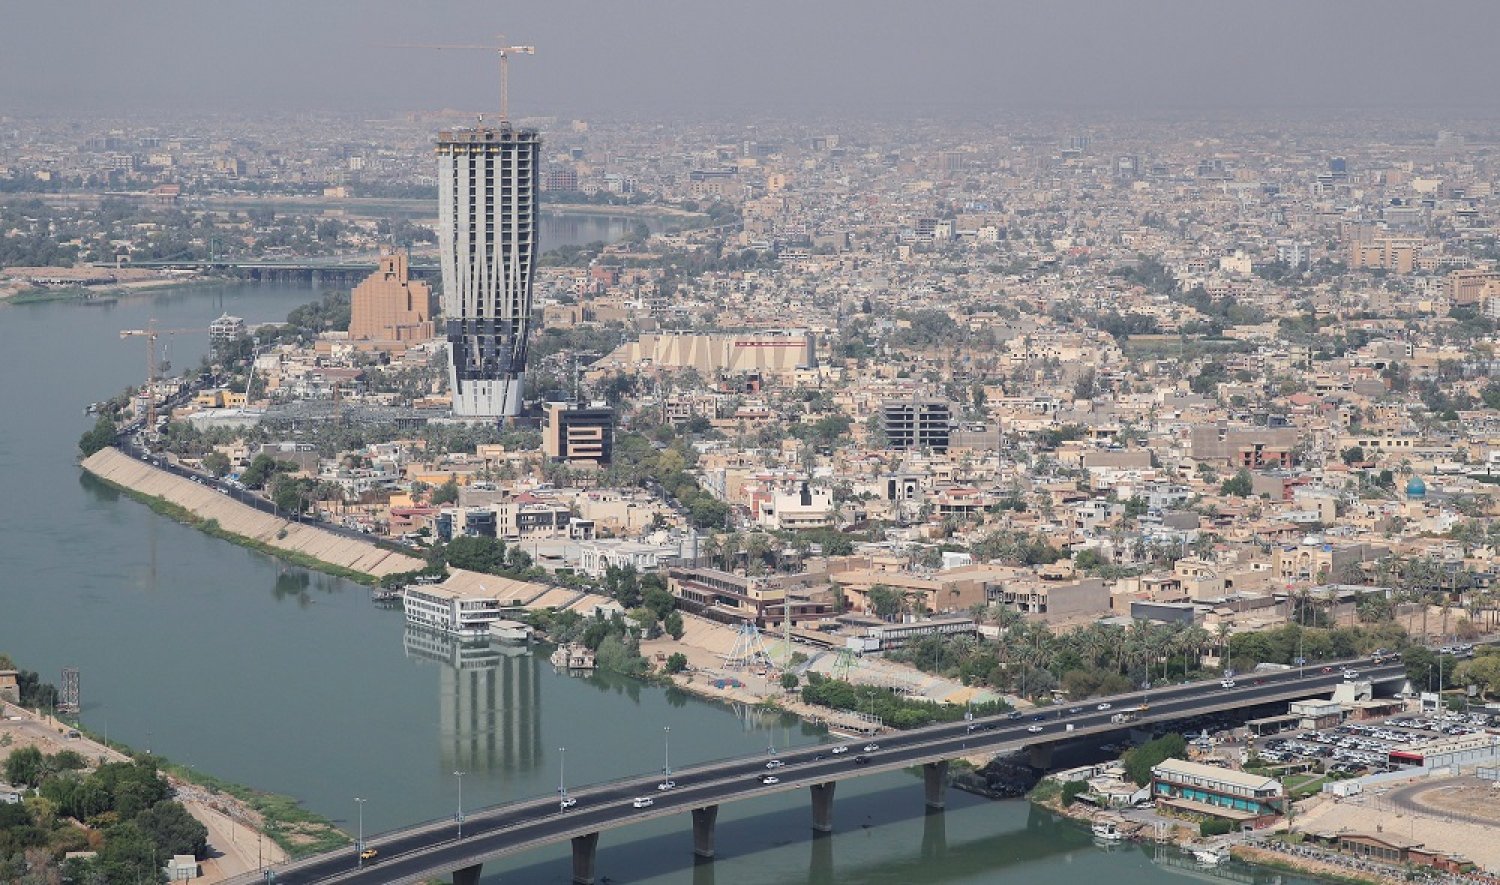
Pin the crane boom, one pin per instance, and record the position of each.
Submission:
(505, 52)
(151, 333)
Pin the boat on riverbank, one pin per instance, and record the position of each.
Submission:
(573, 656)
(1107, 830)
(511, 631)
(1210, 855)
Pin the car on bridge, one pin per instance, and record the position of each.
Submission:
(770, 779)
(1033, 728)
(839, 749)
(1226, 683)
(666, 785)
(1103, 706)
(861, 760)
(368, 854)
(643, 802)
(568, 802)
(870, 748)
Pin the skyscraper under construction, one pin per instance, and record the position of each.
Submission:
(487, 228)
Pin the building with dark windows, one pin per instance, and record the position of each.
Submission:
(573, 432)
(917, 423)
(487, 242)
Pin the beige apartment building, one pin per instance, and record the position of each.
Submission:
(389, 307)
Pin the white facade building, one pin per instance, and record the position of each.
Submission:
(487, 229)
(437, 608)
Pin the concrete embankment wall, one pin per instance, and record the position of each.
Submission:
(239, 519)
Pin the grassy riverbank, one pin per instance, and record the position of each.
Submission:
(211, 527)
(283, 820)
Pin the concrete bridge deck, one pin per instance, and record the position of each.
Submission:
(436, 849)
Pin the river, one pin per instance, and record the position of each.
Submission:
(291, 681)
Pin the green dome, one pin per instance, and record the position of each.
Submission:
(1415, 488)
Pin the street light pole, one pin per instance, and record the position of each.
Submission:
(562, 770)
(667, 752)
(460, 776)
(359, 845)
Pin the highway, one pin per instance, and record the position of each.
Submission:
(435, 849)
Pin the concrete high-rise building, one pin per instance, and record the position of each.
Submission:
(487, 232)
(389, 306)
(917, 423)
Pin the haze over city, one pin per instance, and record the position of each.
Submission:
(781, 57)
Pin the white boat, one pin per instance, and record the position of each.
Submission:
(511, 631)
(1211, 856)
(1107, 830)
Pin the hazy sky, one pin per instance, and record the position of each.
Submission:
(692, 57)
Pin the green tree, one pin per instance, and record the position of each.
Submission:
(1240, 485)
(789, 681)
(1072, 790)
(100, 436)
(216, 463)
(25, 767)
(676, 662)
(885, 602)
(447, 493)
(173, 830)
(476, 554)
(260, 470)
(1140, 760)
(672, 623)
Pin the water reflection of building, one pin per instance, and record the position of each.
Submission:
(489, 701)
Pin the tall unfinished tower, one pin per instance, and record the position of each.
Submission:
(487, 231)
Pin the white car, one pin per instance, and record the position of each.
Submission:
(1033, 728)
(870, 748)
(666, 785)
(774, 763)
(568, 802)
(839, 749)
(643, 802)
(770, 779)
(1226, 683)
(1103, 706)
(1351, 674)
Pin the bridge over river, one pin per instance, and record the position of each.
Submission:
(460, 846)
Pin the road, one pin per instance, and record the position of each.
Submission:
(436, 849)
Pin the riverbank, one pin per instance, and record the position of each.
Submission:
(215, 514)
(247, 829)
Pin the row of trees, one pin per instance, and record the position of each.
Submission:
(891, 708)
(1100, 659)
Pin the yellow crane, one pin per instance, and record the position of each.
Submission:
(151, 334)
(505, 52)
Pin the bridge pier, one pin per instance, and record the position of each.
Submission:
(467, 875)
(935, 780)
(584, 849)
(703, 830)
(1041, 756)
(822, 807)
(934, 835)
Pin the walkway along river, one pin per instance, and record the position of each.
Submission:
(290, 681)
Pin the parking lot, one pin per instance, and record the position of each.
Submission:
(1357, 748)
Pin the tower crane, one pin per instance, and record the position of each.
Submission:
(505, 52)
(151, 334)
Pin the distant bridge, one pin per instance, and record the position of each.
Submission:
(415, 854)
(341, 272)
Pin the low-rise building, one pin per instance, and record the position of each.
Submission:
(1248, 800)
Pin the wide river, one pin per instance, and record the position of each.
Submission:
(291, 681)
